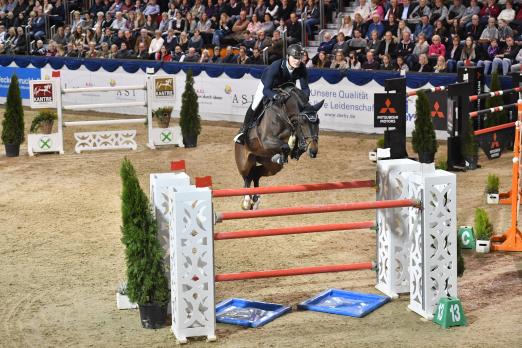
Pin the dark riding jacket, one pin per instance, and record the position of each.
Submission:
(277, 74)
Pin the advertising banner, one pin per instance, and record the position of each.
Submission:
(25, 75)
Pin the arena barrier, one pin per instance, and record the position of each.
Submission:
(511, 239)
(159, 91)
(416, 238)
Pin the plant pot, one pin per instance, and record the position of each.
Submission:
(483, 246)
(47, 127)
(12, 150)
(153, 315)
(492, 198)
(372, 155)
(190, 140)
(123, 302)
(164, 121)
(426, 157)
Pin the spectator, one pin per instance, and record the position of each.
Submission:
(150, 25)
(260, 9)
(254, 25)
(436, 48)
(262, 41)
(358, 24)
(312, 16)
(205, 28)
(507, 14)
(472, 10)
(113, 54)
(57, 15)
(424, 27)
(373, 43)
(394, 9)
(97, 7)
(490, 10)
(183, 41)
(91, 52)
(506, 57)
(198, 9)
(353, 62)
(386, 63)
(248, 41)
(71, 50)
(401, 65)
(441, 65)
(100, 19)
(107, 21)
(139, 21)
(151, 9)
(196, 41)
(275, 51)
(401, 29)
(87, 22)
(242, 57)
(52, 49)
(377, 26)
(123, 52)
(516, 68)
(299, 8)
(223, 30)
(387, 46)
(37, 25)
(306, 60)
(104, 50)
(205, 57)
(115, 7)
(294, 31)
(468, 54)
(230, 57)
(407, 10)
(127, 6)
(453, 53)
(441, 31)
(391, 25)
(439, 12)
(240, 26)
(178, 24)
(322, 61)
(474, 29)
(357, 43)
(421, 47)
(422, 9)
(268, 25)
(424, 65)
(455, 12)
(492, 52)
(328, 43)
(370, 63)
(3, 34)
(59, 37)
(77, 20)
(341, 44)
(339, 62)
(178, 55)
(119, 22)
(39, 50)
(191, 23)
(347, 27)
(504, 31)
(129, 39)
(144, 38)
(163, 55)
(142, 52)
(364, 10)
(164, 24)
(256, 57)
(286, 9)
(489, 33)
(273, 9)
(406, 46)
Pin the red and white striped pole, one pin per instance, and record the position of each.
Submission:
(431, 90)
(494, 94)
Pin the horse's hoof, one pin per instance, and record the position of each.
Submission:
(246, 204)
(278, 159)
(256, 203)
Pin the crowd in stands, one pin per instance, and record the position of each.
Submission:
(401, 35)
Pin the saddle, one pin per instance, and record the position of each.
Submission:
(260, 112)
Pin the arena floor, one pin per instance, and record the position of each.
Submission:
(62, 258)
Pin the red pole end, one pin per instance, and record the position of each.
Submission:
(203, 181)
(177, 165)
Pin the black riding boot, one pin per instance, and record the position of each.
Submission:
(249, 117)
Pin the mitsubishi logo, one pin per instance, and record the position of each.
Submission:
(436, 112)
(387, 109)
(494, 143)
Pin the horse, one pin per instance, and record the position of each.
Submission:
(287, 128)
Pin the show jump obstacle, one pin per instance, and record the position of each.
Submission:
(416, 243)
(158, 91)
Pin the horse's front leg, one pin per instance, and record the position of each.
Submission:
(246, 204)
(256, 199)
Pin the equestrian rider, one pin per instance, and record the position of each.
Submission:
(278, 73)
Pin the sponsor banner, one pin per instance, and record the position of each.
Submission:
(495, 142)
(42, 94)
(389, 111)
(439, 109)
(164, 91)
(25, 76)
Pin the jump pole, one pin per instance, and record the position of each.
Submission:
(295, 271)
(476, 97)
(511, 240)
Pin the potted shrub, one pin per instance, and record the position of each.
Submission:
(424, 140)
(43, 121)
(483, 231)
(162, 114)
(122, 299)
(147, 284)
(492, 187)
(470, 150)
(190, 121)
(13, 122)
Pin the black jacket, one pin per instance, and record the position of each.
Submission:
(277, 74)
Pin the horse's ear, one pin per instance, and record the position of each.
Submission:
(318, 106)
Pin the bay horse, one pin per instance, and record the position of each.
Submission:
(287, 128)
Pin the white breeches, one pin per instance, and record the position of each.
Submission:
(258, 97)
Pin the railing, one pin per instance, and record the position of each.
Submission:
(321, 14)
(32, 46)
(285, 41)
(304, 42)
(67, 19)
(47, 21)
(53, 31)
(27, 30)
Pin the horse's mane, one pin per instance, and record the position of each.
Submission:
(291, 89)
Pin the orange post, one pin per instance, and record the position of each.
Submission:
(511, 240)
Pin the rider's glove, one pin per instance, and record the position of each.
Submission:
(279, 98)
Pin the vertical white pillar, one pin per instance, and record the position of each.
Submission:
(149, 82)
(57, 86)
(393, 240)
(433, 262)
(192, 263)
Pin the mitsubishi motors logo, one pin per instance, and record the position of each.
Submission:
(436, 112)
(388, 108)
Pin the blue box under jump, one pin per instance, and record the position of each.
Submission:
(248, 313)
(344, 302)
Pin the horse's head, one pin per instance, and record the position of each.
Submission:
(307, 130)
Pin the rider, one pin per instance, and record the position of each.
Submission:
(279, 72)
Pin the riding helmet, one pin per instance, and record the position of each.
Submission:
(295, 51)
